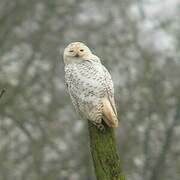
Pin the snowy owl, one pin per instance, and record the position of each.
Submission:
(89, 85)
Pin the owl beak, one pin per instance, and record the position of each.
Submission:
(77, 55)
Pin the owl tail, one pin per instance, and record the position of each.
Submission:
(109, 113)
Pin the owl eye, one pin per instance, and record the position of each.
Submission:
(81, 50)
(71, 51)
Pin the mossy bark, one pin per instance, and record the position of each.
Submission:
(104, 153)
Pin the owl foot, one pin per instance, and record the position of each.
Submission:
(100, 127)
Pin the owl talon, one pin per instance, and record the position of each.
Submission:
(101, 127)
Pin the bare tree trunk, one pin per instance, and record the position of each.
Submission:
(104, 153)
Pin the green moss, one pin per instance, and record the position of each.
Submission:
(105, 155)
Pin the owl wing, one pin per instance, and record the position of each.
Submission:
(109, 107)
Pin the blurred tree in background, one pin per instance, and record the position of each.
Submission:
(139, 41)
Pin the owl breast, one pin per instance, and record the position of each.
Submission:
(86, 86)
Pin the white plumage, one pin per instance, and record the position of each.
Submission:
(89, 85)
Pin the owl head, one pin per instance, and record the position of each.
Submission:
(76, 51)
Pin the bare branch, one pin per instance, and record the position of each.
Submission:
(160, 163)
(2, 92)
